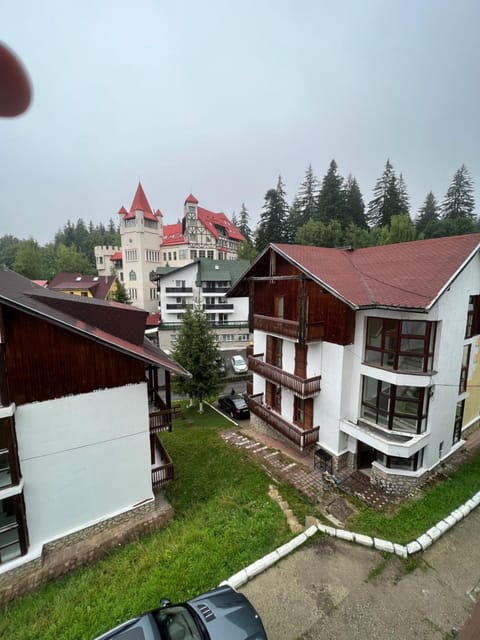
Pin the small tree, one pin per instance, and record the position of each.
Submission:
(196, 349)
(427, 214)
(120, 293)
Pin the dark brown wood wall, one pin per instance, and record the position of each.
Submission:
(45, 361)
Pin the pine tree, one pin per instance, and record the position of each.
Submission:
(330, 197)
(306, 201)
(386, 198)
(353, 206)
(403, 198)
(427, 214)
(459, 201)
(272, 226)
(243, 224)
(120, 293)
(196, 349)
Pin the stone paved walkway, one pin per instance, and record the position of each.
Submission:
(297, 469)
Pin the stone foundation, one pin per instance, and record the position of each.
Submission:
(84, 547)
(396, 485)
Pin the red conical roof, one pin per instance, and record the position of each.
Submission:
(140, 201)
(191, 198)
(123, 211)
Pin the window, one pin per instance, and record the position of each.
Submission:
(201, 253)
(464, 369)
(164, 256)
(397, 408)
(100, 260)
(303, 412)
(132, 294)
(153, 294)
(193, 254)
(132, 275)
(210, 255)
(222, 318)
(473, 317)
(13, 542)
(457, 427)
(9, 470)
(400, 345)
(180, 284)
(174, 255)
(404, 464)
(274, 351)
(182, 254)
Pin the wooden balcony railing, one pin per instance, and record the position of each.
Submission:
(301, 387)
(297, 436)
(314, 331)
(160, 416)
(163, 473)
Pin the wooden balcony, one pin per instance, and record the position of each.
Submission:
(302, 439)
(160, 416)
(162, 473)
(301, 387)
(313, 331)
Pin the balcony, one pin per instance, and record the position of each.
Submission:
(220, 307)
(388, 442)
(301, 387)
(162, 470)
(301, 439)
(211, 289)
(313, 331)
(178, 289)
(161, 416)
(177, 306)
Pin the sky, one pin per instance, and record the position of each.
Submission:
(219, 98)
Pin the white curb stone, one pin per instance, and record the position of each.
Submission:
(450, 520)
(331, 531)
(413, 547)
(443, 526)
(425, 541)
(465, 509)
(311, 531)
(400, 550)
(434, 533)
(367, 541)
(383, 545)
(345, 535)
(457, 514)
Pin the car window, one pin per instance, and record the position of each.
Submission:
(239, 403)
(177, 623)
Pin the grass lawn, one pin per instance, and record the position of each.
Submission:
(417, 516)
(224, 521)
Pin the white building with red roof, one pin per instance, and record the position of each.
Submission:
(370, 355)
(147, 243)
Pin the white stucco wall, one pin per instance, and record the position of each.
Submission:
(83, 458)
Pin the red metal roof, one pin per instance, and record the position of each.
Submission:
(172, 235)
(191, 198)
(210, 219)
(153, 319)
(98, 286)
(407, 274)
(116, 256)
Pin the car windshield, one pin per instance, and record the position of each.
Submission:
(177, 623)
(239, 403)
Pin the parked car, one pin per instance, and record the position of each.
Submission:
(239, 364)
(220, 614)
(220, 362)
(235, 405)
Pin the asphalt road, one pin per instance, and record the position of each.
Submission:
(334, 590)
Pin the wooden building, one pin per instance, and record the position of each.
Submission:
(83, 396)
(371, 355)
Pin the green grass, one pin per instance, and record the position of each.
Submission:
(224, 521)
(414, 517)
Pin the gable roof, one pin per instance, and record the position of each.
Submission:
(117, 326)
(98, 286)
(173, 234)
(407, 275)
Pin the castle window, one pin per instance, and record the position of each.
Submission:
(132, 275)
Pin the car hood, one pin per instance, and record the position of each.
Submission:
(228, 614)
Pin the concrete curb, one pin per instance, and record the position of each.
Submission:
(403, 551)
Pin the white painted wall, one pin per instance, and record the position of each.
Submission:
(83, 458)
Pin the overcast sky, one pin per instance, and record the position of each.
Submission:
(218, 98)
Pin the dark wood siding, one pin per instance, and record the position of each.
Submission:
(45, 362)
(301, 360)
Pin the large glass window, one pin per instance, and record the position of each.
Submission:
(398, 408)
(404, 464)
(457, 427)
(9, 471)
(464, 370)
(400, 345)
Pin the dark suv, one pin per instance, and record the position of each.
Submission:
(221, 614)
(235, 406)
